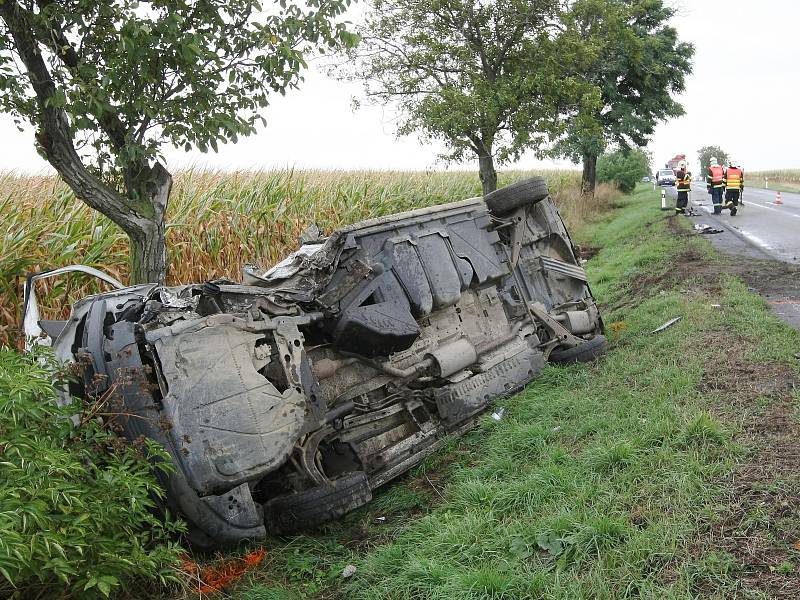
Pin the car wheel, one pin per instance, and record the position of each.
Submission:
(293, 512)
(511, 197)
(584, 353)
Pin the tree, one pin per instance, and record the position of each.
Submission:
(624, 167)
(107, 84)
(706, 152)
(637, 63)
(486, 77)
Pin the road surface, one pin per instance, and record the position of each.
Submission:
(770, 229)
(761, 230)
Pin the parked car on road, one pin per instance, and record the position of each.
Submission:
(665, 177)
(286, 399)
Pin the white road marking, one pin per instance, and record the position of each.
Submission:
(757, 205)
(783, 212)
(755, 239)
(752, 237)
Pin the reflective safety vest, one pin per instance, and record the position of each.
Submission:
(735, 178)
(684, 181)
(716, 176)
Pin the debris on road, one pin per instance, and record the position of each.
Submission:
(666, 325)
(704, 228)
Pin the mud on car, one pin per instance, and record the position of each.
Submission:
(286, 399)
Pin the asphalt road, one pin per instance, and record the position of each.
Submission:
(769, 229)
(762, 230)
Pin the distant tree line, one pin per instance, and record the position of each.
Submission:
(494, 78)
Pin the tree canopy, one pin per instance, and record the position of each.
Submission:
(486, 77)
(706, 152)
(108, 84)
(636, 62)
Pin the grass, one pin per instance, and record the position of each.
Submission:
(606, 480)
(218, 221)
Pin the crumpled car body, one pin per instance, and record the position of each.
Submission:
(285, 400)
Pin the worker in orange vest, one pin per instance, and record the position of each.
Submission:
(734, 186)
(715, 184)
(684, 184)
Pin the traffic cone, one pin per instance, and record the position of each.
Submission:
(778, 199)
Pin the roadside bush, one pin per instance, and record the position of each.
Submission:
(76, 516)
(623, 167)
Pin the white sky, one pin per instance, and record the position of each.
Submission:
(741, 96)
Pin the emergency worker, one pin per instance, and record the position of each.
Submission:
(684, 184)
(715, 184)
(734, 186)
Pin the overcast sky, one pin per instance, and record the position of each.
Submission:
(742, 96)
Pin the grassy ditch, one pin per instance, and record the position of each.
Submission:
(668, 469)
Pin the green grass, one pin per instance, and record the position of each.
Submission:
(602, 481)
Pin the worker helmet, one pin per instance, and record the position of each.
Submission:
(682, 164)
(713, 161)
(733, 163)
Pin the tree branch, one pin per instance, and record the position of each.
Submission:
(55, 136)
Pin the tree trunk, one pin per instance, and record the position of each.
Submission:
(150, 188)
(148, 255)
(589, 178)
(487, 173)
(141, 213)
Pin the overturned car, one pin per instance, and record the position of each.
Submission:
(285, 400)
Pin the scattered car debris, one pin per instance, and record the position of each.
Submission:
(716, 306)
(703, 228)
(499, 414)
(285, 400)
(218, 576)
(349, 571)
(666, 325)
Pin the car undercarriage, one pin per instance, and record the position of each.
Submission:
(286, 399)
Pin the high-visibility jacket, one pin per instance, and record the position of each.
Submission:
(734, 179)
(684, 181)
(716, 177)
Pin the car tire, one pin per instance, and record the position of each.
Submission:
(310, 508)
(509, 198)
(584, 353)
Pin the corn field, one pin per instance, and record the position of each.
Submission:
(787, 175)
(216, 222)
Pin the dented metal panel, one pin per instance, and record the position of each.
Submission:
(285, 399)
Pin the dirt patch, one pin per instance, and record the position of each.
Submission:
(761, 528)
(685, 266)
(777, 281)
(587, 252)
(770, 278)
(740, 380)
(761, 525)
